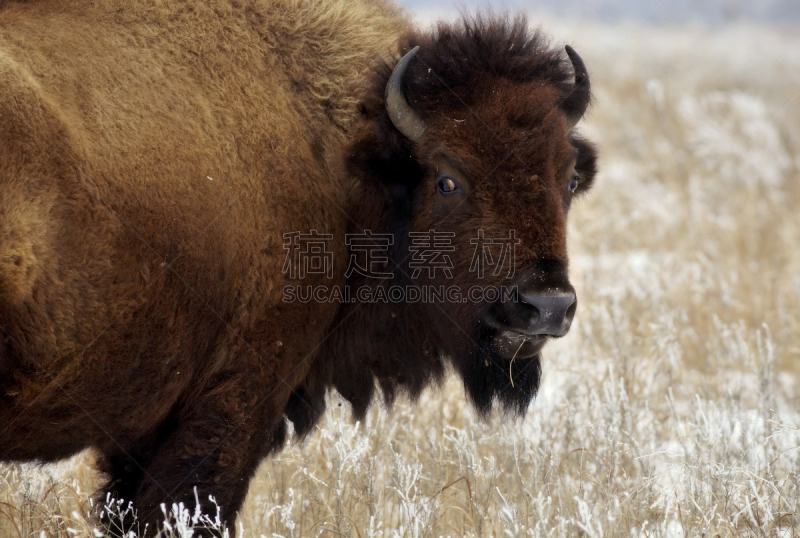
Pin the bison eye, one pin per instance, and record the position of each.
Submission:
(573, 184)
(447, 185)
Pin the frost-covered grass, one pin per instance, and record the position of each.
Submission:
(673, 406)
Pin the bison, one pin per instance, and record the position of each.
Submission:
(212, 212)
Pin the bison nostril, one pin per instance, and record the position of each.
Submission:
(555, 310)
(571, 310)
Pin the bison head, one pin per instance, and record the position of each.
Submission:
(467, 149)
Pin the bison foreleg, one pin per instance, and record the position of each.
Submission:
(125, 468)
(212, 453)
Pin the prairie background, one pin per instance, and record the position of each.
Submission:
(673, 406)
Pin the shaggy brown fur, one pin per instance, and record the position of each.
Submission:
(153, 154)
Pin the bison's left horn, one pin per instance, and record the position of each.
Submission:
(400, 112)
(576, 103)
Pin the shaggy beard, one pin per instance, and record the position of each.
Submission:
(513, 383)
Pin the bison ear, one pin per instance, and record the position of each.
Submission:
(586, 164)
(381, 155)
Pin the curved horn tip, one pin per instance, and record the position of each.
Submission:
(402, 116)
(577, 65)
(577, 102)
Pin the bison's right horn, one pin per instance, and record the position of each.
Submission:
(576, 103)
(400, 112)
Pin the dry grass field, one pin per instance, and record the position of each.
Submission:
(673, 406)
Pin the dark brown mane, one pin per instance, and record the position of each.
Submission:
(457, 56)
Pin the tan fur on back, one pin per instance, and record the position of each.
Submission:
(151, 155)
